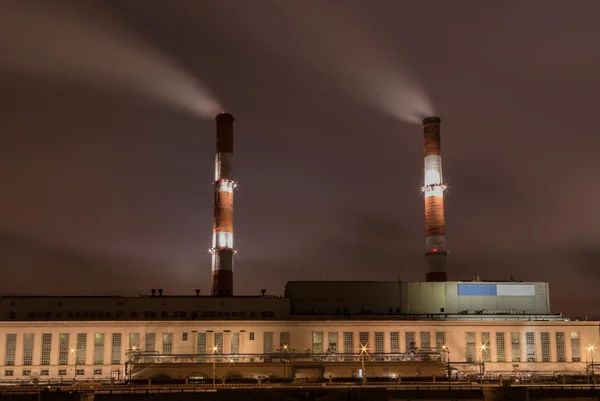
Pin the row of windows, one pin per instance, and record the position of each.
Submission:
(378, 346)
(482, 352)
(147, 315)
(46, 372)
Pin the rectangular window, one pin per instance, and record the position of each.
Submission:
(410, 344)
(99, 349)
(115, 357)
(201, 348)
(560, 347)
(11, 349)
(251, 337)
(28, 349)
(379, 342)
(470, 346)
(167, 340)
(80, 372)
(134, 341)
(530, 346)
(45, 372)
(81, 348)
(500, 347)
(317, 343)
(515, 343)
(332, 340)
(575, 347)
(486, 347)
(62, 372)
(150, 341)
(26, 372)
(97, 372)
(184, 336)
(46, 348)
(363, 339)
(545, 346)
(218, 342)
(348, 344)
(425, 341)
(268, 344)
(394, 342)
(440, 340)
(9, 372)
(235, 343)
(284, 340)
(63, 349)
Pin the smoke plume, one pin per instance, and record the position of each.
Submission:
(76, 43)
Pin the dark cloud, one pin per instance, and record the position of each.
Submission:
(112, 183)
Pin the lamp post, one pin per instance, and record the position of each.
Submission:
(285, 349)
(591, 349)
(74, 352)
(483, 347)
(447, 351)
(363, 350)
(215, 350)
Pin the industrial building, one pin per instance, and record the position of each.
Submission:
(317, 330)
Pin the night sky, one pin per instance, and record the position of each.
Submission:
(107, 156)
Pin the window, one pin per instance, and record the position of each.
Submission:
(167, 339)
(115, 357)
(46, 348)
(184, 337)
(363, 339)
(81, 348)
(410, 344)
(317, 342)
(470, 346)
(486, 349)
(11, 348)
(235, 343)
(348, 344)
(201, 346)
(530, 346)
(545, 346)
(268, 342)
(63, 349)
(575, 347)
(134, 341)
(394, 341)
(99, 349)
(26, 372)
(218, 342)
(44, 372)
(284, 339)
(28, 349)
(97, 372)
(150, 340)
(560, 347)
(332, 338)
(440, 340)
(9, 372)
(62, 372)
(515, 341)
(500, 347)
(251, 336)
(379, 342)
(79, 372)
(425, 341)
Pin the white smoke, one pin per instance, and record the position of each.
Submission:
(86, 45)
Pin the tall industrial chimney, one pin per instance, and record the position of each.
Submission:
(222, 245)
(435, 236)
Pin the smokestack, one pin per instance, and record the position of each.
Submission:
(435, 235)
(222, 246)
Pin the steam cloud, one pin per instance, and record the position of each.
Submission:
(88, 46)
(355, 62)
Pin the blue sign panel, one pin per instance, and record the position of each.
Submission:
(477, 289)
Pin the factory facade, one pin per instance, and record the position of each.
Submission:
(316, 330)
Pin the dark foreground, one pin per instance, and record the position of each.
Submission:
(371, 392)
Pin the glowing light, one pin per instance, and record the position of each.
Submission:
(285, 346)
(483, 347)
(133, 347)
(72, 350)
(215, 348)
(591, 348)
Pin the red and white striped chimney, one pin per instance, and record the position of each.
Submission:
(433, 189)
(222, 244)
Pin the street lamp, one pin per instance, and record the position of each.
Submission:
(285, 349)
(483, 347)
(74, 352)
(591, 349)
(363, 350)
(447, 351)
(214, 350)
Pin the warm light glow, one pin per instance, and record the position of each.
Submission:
(133, 347)
(483, 347)
(215, 348)
(285, 346)
(591, 348)
(72, 350)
